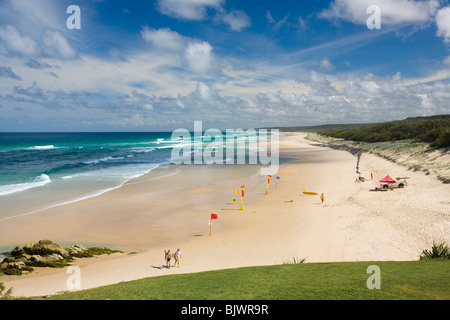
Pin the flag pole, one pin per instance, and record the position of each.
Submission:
(213, 216)
(268, 184)
(242, 198)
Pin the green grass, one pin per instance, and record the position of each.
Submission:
(412, 280)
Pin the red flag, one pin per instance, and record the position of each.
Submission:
(213, 216)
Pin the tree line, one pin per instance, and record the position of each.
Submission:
(434, 130)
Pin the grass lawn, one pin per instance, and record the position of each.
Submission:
(411, 280)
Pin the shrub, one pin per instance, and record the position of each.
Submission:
(296, 260)
(7, 294)
(438, 251)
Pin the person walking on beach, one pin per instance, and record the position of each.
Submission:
(168, 257)
(177, 258)
(322, 197)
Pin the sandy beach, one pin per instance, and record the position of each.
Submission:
(147, 216)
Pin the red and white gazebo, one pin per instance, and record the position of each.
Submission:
(388, 179)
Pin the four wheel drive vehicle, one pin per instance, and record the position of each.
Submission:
(398, 183)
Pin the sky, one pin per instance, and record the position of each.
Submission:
(160, 65)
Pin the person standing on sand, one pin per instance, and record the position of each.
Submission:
(322, 197)
(168, 257)
(177, 258)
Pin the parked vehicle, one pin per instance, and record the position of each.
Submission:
(397, 183)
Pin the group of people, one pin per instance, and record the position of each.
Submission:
(168, 258)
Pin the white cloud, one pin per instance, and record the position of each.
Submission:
(197, 10)
(194, 54)
(328, 99)
(31, 17)
(278, 25)
(326, 64)
(58, 44)
(35, 29)
(188, 10)
(198, 56)
(169, 83)
(16, 43)
(164, 38)
(443, 23)
(434, 5)
(137, 120)
(203, 91)
(269, 17)
(393, 12)
(447, 62)
(53, 43)
(237, 20)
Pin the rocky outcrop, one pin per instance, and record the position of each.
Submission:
(43, 248)
(45, 253)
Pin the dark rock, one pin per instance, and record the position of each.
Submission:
(45, 247)
(17, 251)
(45, 253)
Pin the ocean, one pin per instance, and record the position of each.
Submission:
(47, 169)
(42, 170)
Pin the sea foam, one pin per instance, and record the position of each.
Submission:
(39, 181)
(48, 147)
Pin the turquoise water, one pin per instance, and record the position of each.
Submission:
(38, 160)
(40, 170)
(32, 159)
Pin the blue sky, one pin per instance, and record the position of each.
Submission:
(160, 65)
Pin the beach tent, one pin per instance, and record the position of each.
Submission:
(387, 179)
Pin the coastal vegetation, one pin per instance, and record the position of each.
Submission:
(438, 251)
(434, 130)
(419, 144)
(5, 295)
